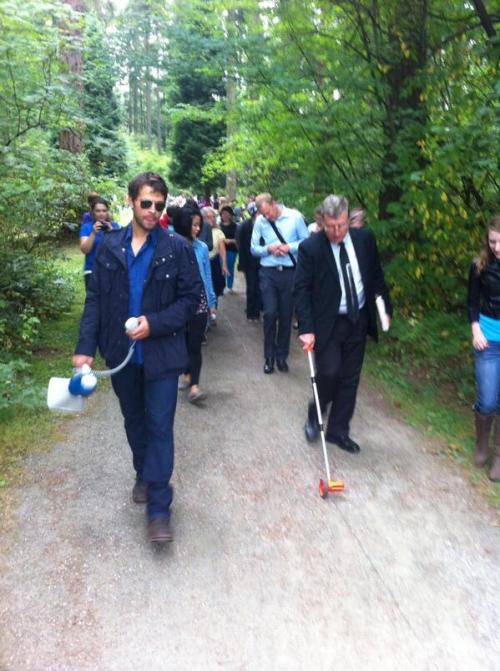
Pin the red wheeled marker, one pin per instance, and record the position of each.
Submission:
(332, 486)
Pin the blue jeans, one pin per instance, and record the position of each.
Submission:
(148, 408)
(231, 255)
(488, 379)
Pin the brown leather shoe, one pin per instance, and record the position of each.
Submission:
(159, 530)
(140, 491)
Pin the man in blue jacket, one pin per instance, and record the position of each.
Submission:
(146, 272)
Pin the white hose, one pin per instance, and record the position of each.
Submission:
(112, 371)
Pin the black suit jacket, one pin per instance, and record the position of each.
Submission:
(317, 290)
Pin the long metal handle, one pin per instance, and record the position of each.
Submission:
(318, 410)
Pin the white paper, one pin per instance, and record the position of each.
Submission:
(384, 319)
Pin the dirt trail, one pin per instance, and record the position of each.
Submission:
(399, 572)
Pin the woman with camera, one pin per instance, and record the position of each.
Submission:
(92, 233)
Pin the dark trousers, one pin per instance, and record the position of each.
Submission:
(276, 288)
(196, 328)
(218, 280)
(339, 366)
(148, 408)
(254, 298)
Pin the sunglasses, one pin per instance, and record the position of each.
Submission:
(146, 205)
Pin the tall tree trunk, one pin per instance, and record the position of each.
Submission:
(231, 175)
(70, 138)
(231, 91)
(130, 112)
(142, 120)
(406, 111)
(134, 92)
(485, 18)
(159, 139)
(149, 97)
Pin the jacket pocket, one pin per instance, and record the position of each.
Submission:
(108, 272)
(164, 283)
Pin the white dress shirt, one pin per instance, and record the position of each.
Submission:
(356, 273)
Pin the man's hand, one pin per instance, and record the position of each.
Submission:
(142, 331)
(274, 249)
(307, 340)
(80, 359)
(284, 249)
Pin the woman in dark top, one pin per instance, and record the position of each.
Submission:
(228, 227)
(187, 223)
(484, 316)
(250, 265)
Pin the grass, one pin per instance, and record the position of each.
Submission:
(25, 431)
(437, 402)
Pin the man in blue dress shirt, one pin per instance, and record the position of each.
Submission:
(277, 234)
(146, 272)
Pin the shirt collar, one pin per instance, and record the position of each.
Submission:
(152, 237)
(346, 241)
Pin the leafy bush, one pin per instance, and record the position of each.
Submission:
(31, 290)
(13, 386)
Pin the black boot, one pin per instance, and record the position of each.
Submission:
(494, 473)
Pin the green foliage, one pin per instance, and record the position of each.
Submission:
(32, 291)
(34, 90)
(142, 160)
(195, 87)
(15, 388)
(42, 190)
(103, 145)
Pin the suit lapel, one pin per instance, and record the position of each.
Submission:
(327, 251)
(360, 250)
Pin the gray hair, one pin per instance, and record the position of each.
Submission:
(206, 210)
(334, 206)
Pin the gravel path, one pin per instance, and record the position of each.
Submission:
(399, 572)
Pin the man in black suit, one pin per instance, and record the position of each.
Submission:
(338, 278)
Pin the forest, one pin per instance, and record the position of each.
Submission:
(393, 104)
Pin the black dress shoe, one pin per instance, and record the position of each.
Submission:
(311, 431)
(140, 491)
(282, 365)
(269, 366)
(345, 443)
(159, 530)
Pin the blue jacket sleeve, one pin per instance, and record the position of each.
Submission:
(207, 280)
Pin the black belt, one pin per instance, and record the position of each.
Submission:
(278, 268)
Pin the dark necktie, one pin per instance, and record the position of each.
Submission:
(350, 289)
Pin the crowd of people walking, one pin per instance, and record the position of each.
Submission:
(172, 263)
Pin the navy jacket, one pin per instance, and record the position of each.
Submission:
(317, 290)
(170, 298)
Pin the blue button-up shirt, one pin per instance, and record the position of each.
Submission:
(138, 267)
(292, 227)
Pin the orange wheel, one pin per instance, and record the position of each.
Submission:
(323, 489)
